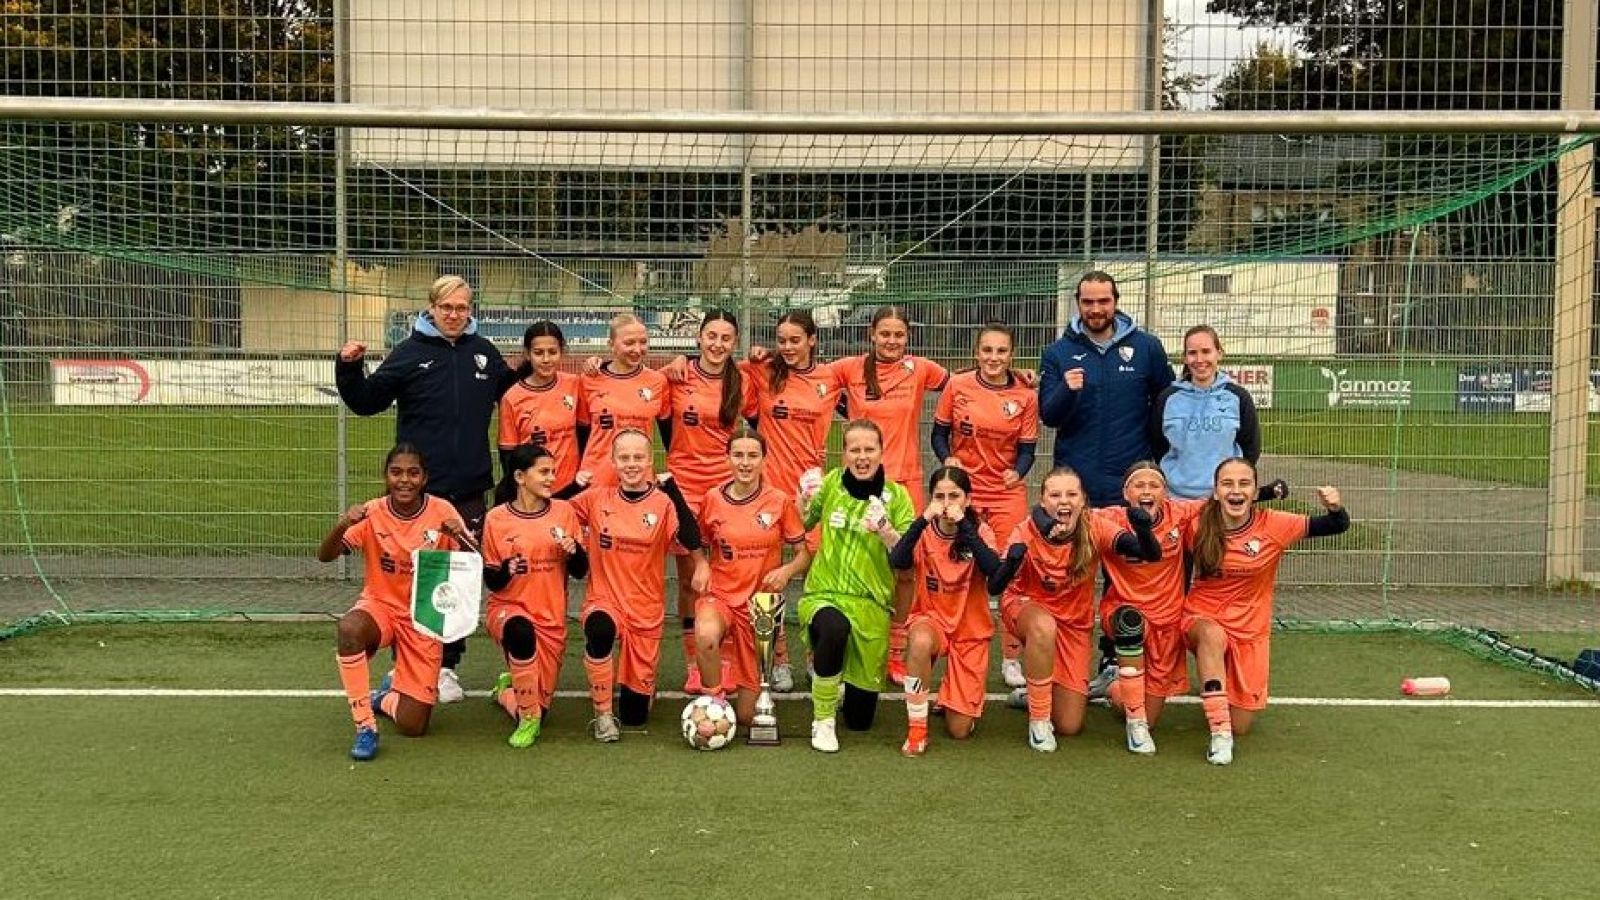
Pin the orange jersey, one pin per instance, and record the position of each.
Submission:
(952, 592)
(745, 538)
(385, 540)
(795, 421)
(627, 541)
(1046, 573)
(1239, 596)
(698, 457)
(549, 416)
(898, 409)
(1153, 588)
(986, 424)
(540, 590)
(615, 403)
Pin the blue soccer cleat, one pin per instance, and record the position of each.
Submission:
(385, 685)
(365, 746)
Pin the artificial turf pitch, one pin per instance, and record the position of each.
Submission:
(150, 796)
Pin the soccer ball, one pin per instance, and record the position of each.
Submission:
(708, 723)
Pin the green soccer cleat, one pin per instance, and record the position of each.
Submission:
(526, 734)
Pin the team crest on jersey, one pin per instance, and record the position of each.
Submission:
(646, 394)
(481, 360)
(650, 519)
(822, 389)
(559, 533)
(1010, 408)
(1126, 353)
(1172, 537)
(765, 519)
(431, 535)
(569, 401)
(908, 365)
(1252, 547)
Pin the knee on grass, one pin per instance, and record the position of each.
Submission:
(633, 708)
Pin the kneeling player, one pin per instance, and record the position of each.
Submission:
(1236, 549)
(849, 592)
(952, 554)
(1046, 583)
(385, 531)
(628, 528)
(745, 524)
(530, 548)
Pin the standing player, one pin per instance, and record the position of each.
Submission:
(385, 531)
(530, 548)
(706, 405)
(987, 423)
(886, 386)
(1202, 418)
(621, 394)
(1227, 615)
(796, 398)
(849, 593)
(745, 525)
(952, 552)
(628, 529)
(546, 408)
(1046, 583)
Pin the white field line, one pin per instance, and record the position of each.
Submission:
(300, 694)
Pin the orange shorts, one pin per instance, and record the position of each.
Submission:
(1246, 666)
(639, 650)
(549, 645)
(1003, 515)
(965, 669)
(417, 657)
(1166, 653)
(1072, 644)
(739, 669)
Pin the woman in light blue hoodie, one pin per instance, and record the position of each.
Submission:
(1202, 419)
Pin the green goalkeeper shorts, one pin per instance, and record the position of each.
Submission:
(866, 654)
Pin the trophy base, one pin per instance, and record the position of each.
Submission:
(763, 735)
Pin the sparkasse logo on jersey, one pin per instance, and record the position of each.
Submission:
(1346, 392)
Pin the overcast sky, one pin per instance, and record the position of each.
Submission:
(1214, 42)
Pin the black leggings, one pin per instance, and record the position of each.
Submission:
(830, 634)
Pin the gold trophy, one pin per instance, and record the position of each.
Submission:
(766, 611)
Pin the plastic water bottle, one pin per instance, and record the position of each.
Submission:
(1425, 687)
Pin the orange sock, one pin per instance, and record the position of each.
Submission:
(711, 676)
(1217, 715)
(508, 701)
(1129, 688)
(916, 702)
(525, 691)
(689, 650)
(601, 682)
(1040, 699)
(1010, 646)
(897, 641)
(353, 675)
(390, 703)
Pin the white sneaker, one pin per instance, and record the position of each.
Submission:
(1042, 735)
(1139, 739)
(605, 728)
(450, 687)
(1017, 699)
(1100, 684)
(1011, 673)
(1220, 753)
(782, 678)
(824, 736)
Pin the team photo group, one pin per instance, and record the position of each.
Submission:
(1148, 526)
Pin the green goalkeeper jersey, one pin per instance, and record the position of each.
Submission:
(852, 561)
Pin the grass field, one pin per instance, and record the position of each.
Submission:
(262, 481)
(255, 797)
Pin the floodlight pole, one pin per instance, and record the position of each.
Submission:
(1155, 11)
(341, 251)
(1574, 308)
(747, 234)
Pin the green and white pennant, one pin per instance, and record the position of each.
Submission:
(446, 592)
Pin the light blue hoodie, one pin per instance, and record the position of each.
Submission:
(1193, 429)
